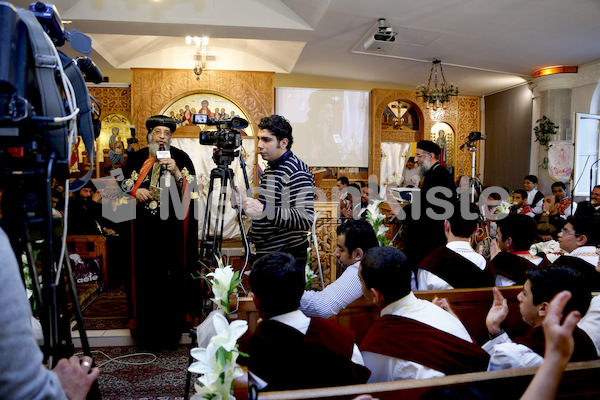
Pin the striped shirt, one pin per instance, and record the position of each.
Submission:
(287, 191)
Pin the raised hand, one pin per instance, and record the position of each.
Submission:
(498, 312)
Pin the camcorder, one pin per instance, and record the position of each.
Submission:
(44, 102)
(226, 137)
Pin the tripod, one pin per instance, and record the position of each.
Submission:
(212, 239)
(28, 222)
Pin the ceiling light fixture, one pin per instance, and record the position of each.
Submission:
(437, 97)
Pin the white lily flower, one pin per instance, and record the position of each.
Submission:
(221, 282)
(227, 334)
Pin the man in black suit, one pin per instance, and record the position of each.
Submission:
(425, 232)
(590, 208)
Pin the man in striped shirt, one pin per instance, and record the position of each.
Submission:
(284, 211)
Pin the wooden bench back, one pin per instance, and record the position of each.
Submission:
(580, 381)
(470, 305)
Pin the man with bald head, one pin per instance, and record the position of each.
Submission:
(164, 235)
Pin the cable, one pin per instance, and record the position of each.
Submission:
(116, 359)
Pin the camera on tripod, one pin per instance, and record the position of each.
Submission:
(226, 136)
(475, 136)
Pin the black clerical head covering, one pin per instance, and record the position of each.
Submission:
(160, 120)
(429, 146)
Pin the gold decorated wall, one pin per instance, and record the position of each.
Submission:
(113, 100)
(153, 89)
(462, 115)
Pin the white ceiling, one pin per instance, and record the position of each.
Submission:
(485, 45)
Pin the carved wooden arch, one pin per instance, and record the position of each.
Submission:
(153, 89)
(380, 98)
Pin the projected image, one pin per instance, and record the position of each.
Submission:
(330, 127)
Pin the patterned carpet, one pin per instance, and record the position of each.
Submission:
(108, 311)
(161, 379)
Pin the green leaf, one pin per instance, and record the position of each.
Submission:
(222, 356)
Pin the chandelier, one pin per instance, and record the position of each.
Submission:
(437, 97)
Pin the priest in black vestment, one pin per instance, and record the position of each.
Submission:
(426, 233)
(164, 248)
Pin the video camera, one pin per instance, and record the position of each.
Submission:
(475, 136)
(44, 103)
(226, 136)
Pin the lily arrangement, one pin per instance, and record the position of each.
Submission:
(223, 281)
(309, 275)
(217, 362)
(551, 248)
(375, 218)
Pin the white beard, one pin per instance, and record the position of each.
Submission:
(424, 166)
(153, 147)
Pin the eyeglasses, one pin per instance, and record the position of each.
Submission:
(161, 132)
(569, 233)
(422, 154)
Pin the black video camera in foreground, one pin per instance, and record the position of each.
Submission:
(40, 114)
(226, 136)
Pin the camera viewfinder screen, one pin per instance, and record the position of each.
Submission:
(199, 118)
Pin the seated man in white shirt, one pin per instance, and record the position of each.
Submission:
(410, 175)
(510, 250)
(456, 265)
(414, 338)
(579, 238)
(534, 197)
(354, 238)
(289, 350)
(541, 286)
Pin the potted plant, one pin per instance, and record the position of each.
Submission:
(543, 131)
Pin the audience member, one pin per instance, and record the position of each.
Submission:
(414, 338)
(85, 213)
(549, 222)
(456, 265)
(565, 205)
(22, 374)
(590, 208)
(425, 234)
(559, 346)
(354, 238)
(541, 286)
(579, 239)
(534, 197)
(410, 175)
(510, 254)
(353, 193)
(520, 206)
(590, 323)
(315, 352)
(369, 194)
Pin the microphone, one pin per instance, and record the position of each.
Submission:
(160, 154)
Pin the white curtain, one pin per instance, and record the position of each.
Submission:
(393, 159)
(201, 156)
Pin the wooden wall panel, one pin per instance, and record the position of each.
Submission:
(462, 115)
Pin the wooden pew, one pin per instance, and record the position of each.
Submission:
(470, 305)
(580, 381)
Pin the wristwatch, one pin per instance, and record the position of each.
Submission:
(180, 181)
